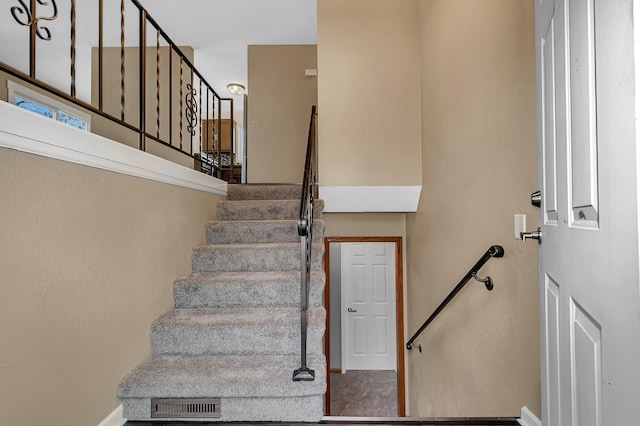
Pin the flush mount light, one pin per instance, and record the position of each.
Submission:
(235, 88)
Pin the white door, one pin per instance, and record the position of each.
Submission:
(368, 306)
(587, 167)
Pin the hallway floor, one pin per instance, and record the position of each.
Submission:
(355, 422)
(370, 397)
(364, 393)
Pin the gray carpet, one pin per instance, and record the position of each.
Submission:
(364, 393)
(235, 331)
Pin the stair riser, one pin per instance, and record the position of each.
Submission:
(227, 376)
(233, 295)
(235, 232)
(264, 192)
(239, 340)
(296, 409)
(264, 210)
(253, 258)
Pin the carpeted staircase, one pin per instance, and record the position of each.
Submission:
(234, 333)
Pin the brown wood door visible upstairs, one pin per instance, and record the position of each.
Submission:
(209, 129)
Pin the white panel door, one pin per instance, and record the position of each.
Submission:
(587, 169)
(368, 306)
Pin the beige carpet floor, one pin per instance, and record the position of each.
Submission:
(364, 393)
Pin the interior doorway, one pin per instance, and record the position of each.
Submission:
(364, 295)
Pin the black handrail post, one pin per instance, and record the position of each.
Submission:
(100, 52)
(305, 223)
(493, 251)
(32, 41)
(218, 148)
(232, 137)
(143, 78)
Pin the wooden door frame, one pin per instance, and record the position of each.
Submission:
(399, 313)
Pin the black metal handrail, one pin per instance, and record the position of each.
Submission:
(493, 251)
(198, 100)
(305, 224)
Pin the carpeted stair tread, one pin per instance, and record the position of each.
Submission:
(222, 376)
(253, 257)
(257, 231)
(264, 192)
(235, 331)
(245, 289)
(264, 209)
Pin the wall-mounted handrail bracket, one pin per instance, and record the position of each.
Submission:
(487, 281)
(493, 251)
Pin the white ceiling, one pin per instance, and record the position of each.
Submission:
(220, 31)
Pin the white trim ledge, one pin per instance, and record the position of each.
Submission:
(26, 131)
(116, 418)
(527, 418)
(370, 199)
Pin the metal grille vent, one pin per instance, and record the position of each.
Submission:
(180, 408)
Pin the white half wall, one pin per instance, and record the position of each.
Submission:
(372, 199)
(27, 131)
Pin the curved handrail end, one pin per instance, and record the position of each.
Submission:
(496, 251)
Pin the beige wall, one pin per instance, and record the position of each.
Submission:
(87, 262)
(111, 90)
(4, 92)
(112, 104)
(368, 92)
(480, 356)
(280, 98)
(364, 225)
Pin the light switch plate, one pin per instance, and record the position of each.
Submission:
(519, 225)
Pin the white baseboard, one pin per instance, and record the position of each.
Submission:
(116, 418)
(527, 418)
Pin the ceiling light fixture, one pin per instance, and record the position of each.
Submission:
(235, 88)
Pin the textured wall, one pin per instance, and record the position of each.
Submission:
(364, 225)
(480, 356)
(111, 87)
(280, 98)
(87, 261)
(368, 93)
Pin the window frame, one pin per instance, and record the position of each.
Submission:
(16, 91)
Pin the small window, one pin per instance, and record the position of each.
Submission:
(73, 120)
(48, 107)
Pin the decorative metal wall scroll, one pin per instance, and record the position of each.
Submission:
(25, 15)
(191, 109)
